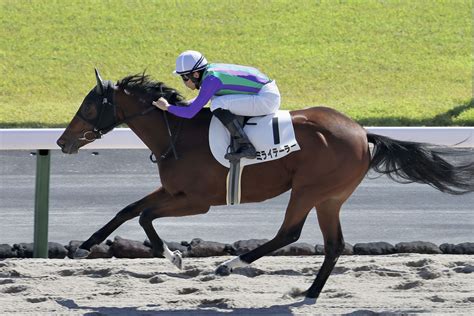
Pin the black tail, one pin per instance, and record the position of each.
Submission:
(407, 162)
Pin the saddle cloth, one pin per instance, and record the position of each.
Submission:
(272, 135)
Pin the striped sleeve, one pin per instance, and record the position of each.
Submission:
(210, 85)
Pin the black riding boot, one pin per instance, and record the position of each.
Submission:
(245, 148)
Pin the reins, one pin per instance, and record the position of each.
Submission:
(127, 119)
(173, 140)
(173, 148)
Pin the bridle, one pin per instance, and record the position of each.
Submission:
(107, 118)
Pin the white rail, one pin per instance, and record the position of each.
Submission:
(124, 138)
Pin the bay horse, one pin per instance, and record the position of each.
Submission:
(333, 160)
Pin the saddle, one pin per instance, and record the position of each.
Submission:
(272, 135)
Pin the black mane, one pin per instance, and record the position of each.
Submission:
(142, 84)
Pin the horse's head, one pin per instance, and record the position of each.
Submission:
(108, 105)
(96, 116)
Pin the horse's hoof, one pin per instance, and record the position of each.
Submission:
(81, 253)
(177, 259)
(223, 270)
(310, 297)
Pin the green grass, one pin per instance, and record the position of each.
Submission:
(381, 62)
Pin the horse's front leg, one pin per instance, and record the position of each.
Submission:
(167, 205)
(129, 212)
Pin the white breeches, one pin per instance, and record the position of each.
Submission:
(267, 101)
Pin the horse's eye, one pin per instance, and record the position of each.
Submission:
(89, 111)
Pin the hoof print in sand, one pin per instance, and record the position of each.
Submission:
(207, 278)
(36, 299)
(467, 300)
(409, 285)
(341, 295)
(248, 272)
(15, 289)
(192, 273)
(339, 270)
(288, 272)
(97, 273)
(6, 281)
(66, 273)
(136, 275)
(216, 288)
(366, 268)
(188, 290)
(388, 273)
(464, 268)
(156, 279)
(187, 274)
(219, 303)
(428, 273)
(419, 263)
(436, 299)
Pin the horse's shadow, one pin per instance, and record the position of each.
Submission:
(207, 311)
(272, 310)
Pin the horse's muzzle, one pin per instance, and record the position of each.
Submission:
(67, 148)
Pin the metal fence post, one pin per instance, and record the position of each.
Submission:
(40, 249)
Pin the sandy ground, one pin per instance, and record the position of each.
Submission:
(360, 285)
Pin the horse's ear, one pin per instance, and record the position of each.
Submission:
(100, 84)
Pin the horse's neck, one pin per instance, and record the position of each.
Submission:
(149, 127)
(152, 130)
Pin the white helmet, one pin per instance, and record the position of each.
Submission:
(190, 61)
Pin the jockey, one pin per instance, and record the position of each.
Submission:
(233, 91)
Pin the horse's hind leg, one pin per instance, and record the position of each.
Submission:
(328, 217)
(298, 208)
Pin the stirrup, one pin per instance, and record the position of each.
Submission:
(246, 151)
